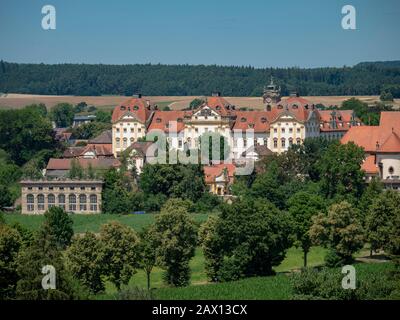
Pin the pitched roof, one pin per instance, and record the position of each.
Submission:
(140, 147)
(65, 164)
(103, 138)
(260, 150)
(220, 105)
(300, 108)
(136, 106)
(161, 120)
(257, 120)
(340, 120)
(214, 171)
(369, 165)
(382, 138)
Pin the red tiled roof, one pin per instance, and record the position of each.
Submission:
(212, 172)
(136, 106)
(65, 164)
(382, 138)
(342, 123)
(298, 107)
(257, 120)
(103, 138)
(161, 120)
(103, 150)
(369, 165)
(220, 105)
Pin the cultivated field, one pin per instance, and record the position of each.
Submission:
(177, 103)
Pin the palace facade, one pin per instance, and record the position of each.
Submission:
(283, 122)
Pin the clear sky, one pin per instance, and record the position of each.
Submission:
(279, 33)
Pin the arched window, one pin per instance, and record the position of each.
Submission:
(40, 200)
(72, 202)
(275, 143)
(82, 202)
(93, 202)
(118, 142)
(283, 142)
(391, 170)
(61, 201)
(290, 141)
(30, 200)
(298, 140)
(51, 200)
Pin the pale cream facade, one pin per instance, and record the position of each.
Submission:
(75, 196)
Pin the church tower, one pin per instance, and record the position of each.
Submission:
(271, 95)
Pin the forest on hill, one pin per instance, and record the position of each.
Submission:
(367, 78)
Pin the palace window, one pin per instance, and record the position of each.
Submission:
(118, 143)
(290, 141)
(275, 143)
(298, 140)
(283, 130)
(51, 200)
(30, 202)
(298, 130)
(290, 130)
(245, 142)
(72, 202)
(391, 170)
(82, 202)
(125, 130)
(125, 142)
(283, 142)
(93, 202)
(40, 199)
(61, 201)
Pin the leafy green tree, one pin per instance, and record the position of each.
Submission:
(5, 197)
(340, 171)
(90, 130)
(176, 236)
(302, 207)
(59, 224)
(62, 114)
(42, 252)
(10, 244)
(148, 249)
(120, 252)
(340, 231)
(103, 116)
(216, 145)
(85, 262)
(80, 107)
(247, 239)
(76, 171)
(381, 219)
(195, 103)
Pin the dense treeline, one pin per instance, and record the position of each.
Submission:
(85, 79)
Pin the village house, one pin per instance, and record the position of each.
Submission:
(382, 148)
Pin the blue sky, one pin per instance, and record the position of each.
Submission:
(261, 33)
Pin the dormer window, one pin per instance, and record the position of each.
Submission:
(243, 119)
(280, 106)
(263, 120)
(218, 107)
(251, 125)
(295, 106)
(180, 119)
(167, 125)
(158, 120)
(123, 108)
(135, 108)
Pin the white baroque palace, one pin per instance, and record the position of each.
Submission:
(283, 122)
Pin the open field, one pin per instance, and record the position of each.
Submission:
(177, 103)
(260, 288)
(83, 223)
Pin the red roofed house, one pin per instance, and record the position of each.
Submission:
(382, 148)
(335, 123)
(129, 122)
(219, 178)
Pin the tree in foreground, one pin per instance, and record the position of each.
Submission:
(147, 249)
(176, 236)
(58, 223)
(247, 239)
(120, 255)
(42, 252)
(302, 207)
(340, 231)
(84, 261)
(10, 244)
(382, 222)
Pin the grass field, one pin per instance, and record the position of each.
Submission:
(260, 288)
(83, 223)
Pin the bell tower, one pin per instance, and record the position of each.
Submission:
(271, 95)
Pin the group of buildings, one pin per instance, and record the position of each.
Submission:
(250, 135)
